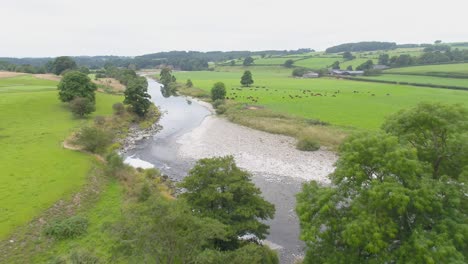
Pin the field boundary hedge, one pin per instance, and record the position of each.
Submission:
(428, 85)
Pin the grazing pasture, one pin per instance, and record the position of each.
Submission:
(36, 170)
(421, 79)
(337, 101)
(460, 68)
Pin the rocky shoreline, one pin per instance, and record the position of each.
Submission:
(136, 134)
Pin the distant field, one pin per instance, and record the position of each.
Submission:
(455, 68)
(271, 61)
(317, 62)
(36, 170)
(348, 108)
(421, 79)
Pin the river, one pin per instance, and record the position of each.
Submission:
(181, 116)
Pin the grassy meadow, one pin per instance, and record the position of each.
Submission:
(461, 68)
(36, 170)
(341, 102)
(421, 79)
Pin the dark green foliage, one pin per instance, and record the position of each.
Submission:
(368, 65)
(384, 59)
(288, 63)
(248, 61)
(336, 65)
(221, 109)
(137, 95)
(250, 253)
(217, 103)
(119, 108)
(299, 72)
(165, 76)
(362, 46)
(81, 256)
(246, 79)
(62, 64)
(145, 193)
(307, 144)
(189, 83)
(164, 231)
(76, 84)
(67, 228)
(84, 70)
(349, 68)
(114, 163)
(388, 203)
(218, 92)
(218, 189)
(348, 55)
(82, 106)
(94, 139)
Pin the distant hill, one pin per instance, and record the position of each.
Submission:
(362, 46)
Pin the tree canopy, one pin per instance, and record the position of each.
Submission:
(76, 84)
(246, 79)
(62, 64)
(248, 61)
(136, 95)
(218, 92)
(385, 205)
(218, 189)
(288, 63)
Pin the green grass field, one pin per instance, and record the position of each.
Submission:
(36, 170)
(345, 108)
(421, 79)
(442, 68)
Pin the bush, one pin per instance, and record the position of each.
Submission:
(217, 103)
(218, 91)
(99, 120)
(81, 106)
(119, 108)
(94, 139)
(114, 163)
(68, 228)
(221, 109)
(298, 72)
(307, 144)
(83, 257)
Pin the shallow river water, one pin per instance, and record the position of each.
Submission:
(180, 116)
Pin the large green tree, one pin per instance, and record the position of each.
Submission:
(218, 92)
(62, 64)
(165, 76)
(246, 79)
(248, 61)
(218, 189)
(136, 95)
(76, 84)
(385, 205)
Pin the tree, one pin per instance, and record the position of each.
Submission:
(299, 72)
(348, 56)
(349, 68)
(335, 65)
(384, 205)
(76, 84)
(62, 64)
(368, 65)
(248, 61)
(438, 132)
(218, 92)
(246, 79)
(288, 63)
(218, 189)
(165, 76)
(189, 83)
(384, 59)
(136, 95)
(82, 106)
(94, 139)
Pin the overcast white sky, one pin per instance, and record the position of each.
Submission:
(37, 28)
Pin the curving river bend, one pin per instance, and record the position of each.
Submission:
(181, 116)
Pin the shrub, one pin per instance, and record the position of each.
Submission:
(94, 139)
(152, 173)
(298, 72)
(221, 109)
(217, 103)
(218, 91)
(119, 108)
(68, 228)
(145, 193)
(99, 120)
(114, 162)
(83, 257)
(307, 144)
(81, 106)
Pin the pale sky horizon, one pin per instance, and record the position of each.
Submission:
(51, 28)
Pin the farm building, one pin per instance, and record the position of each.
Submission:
(310, 75)
(349, 73)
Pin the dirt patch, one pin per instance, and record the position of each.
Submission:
(110, 83)
(6, 74)
(48, 76)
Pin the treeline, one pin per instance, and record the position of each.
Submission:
(362, 46)
(182, 60)
(433, 54)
